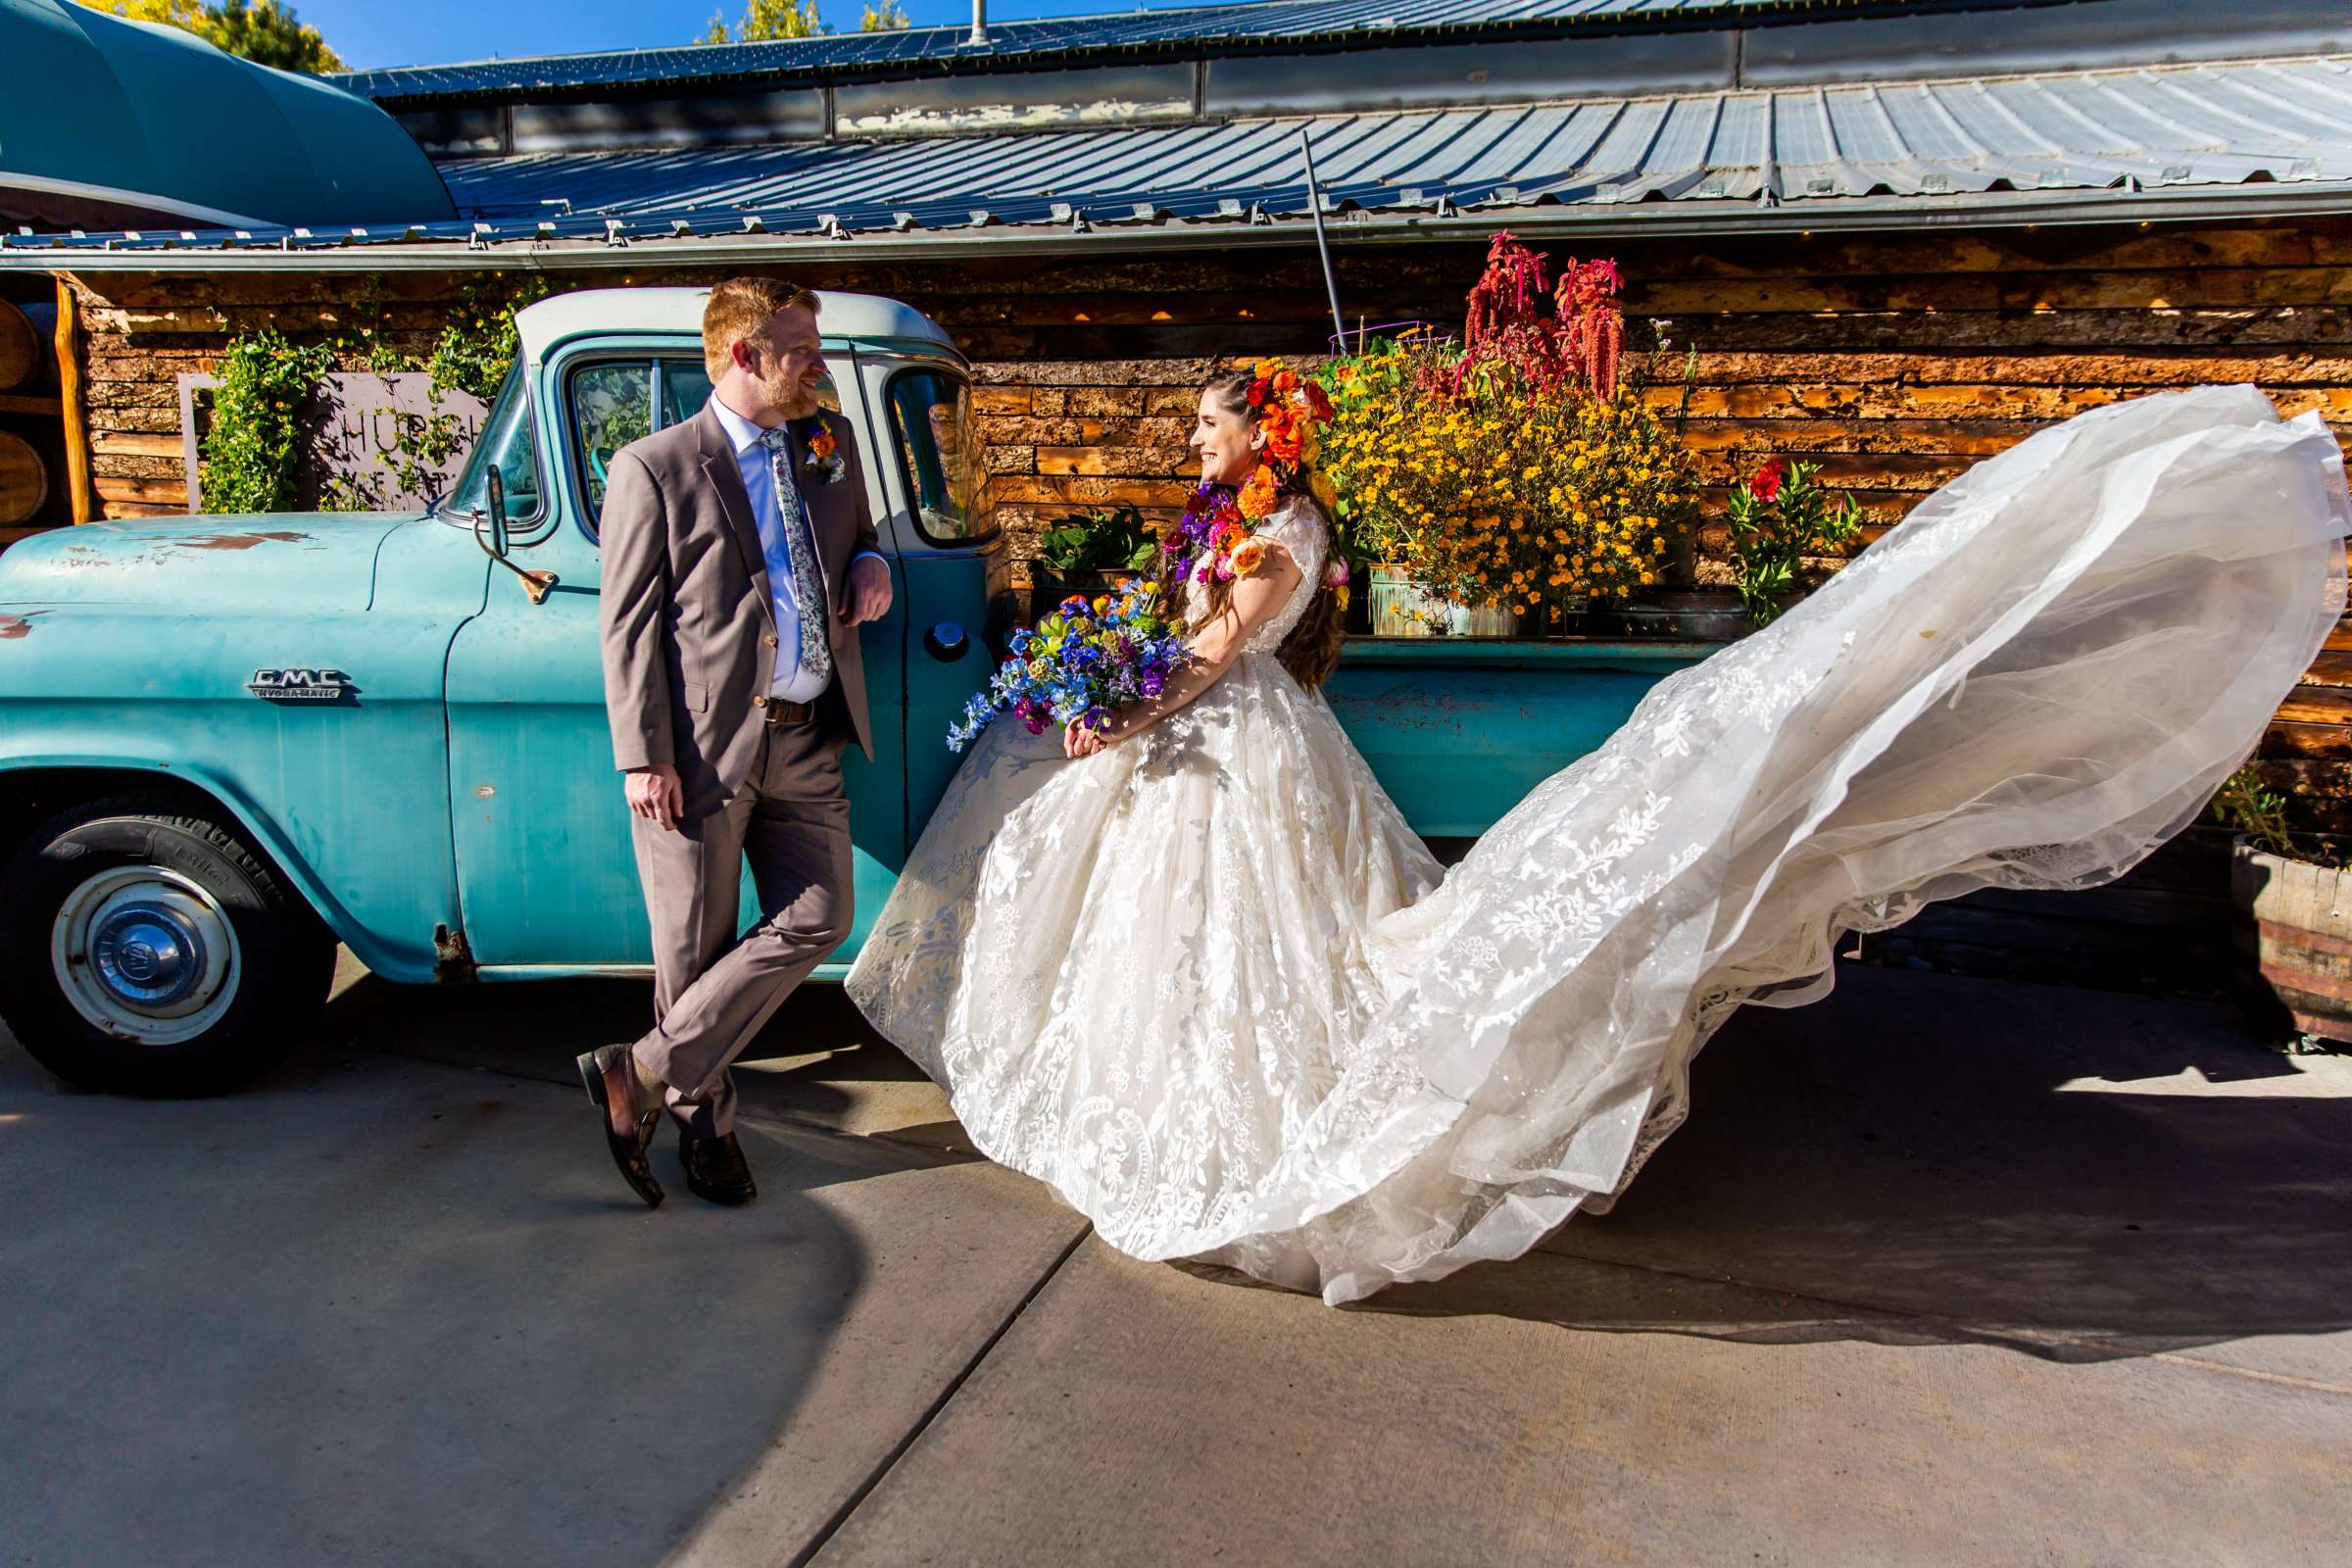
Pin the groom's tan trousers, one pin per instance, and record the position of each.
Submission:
(712, 993)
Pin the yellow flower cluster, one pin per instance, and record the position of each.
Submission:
(1514, 502)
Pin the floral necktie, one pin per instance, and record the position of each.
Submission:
(807, 585)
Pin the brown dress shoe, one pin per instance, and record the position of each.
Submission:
(715, 1169)
(628, 1153)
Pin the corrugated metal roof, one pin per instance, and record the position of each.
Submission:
(1802, 151)
(2205, 125)
(1009, 42)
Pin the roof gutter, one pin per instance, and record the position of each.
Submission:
(1683, 217)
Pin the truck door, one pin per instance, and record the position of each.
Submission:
(923, 429)
(545, 871)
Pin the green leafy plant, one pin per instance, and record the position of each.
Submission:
(1119, 539)
(1780, 516)
(252, 448)
(2260, 814)
(478, 345)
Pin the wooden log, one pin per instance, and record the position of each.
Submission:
(152, 492)
(2316, 704)
(2330, 669)
(1981, 401)
(134, 444)
(1997, 331)
(24, 481)
(2201, 288)
(69, 397)
(19, 346)
(2289, 740)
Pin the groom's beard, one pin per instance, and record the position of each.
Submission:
(781, 399)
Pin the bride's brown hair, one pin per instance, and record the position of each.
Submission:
(1312, 650)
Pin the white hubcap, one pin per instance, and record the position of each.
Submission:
(145, 954)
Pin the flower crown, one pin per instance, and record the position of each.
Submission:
(1215, 537)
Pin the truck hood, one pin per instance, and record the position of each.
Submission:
(298, 563)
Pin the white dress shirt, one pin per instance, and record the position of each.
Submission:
(793, 684)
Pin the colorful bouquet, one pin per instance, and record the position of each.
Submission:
(1084, 661)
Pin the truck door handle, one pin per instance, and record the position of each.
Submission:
(946, 642)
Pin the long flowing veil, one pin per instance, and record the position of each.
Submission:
(2040, 675)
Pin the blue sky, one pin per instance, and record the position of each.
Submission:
(370, 33)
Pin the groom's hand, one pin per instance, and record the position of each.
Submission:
(866, 595)
(654, 795)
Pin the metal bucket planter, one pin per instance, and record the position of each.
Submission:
(2295, 924)
(1683, 614)
(1402, 609)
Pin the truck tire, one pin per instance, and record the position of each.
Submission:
(149, 952)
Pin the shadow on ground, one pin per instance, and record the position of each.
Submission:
(370, 1308)
(1916, 1158)
(1920, 1158)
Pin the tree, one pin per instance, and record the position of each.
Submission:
(887, 16)
(271, 34)
(262, 32)
(763, 20)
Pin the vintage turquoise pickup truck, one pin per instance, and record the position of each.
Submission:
(229, 743)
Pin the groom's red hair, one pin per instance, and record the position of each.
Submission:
(741, 308)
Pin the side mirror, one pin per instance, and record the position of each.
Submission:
(490, 532)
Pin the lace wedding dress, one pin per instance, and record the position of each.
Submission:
(1210, 987)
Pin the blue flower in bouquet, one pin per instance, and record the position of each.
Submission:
(1084, 661)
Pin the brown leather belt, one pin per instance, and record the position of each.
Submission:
(780, 712)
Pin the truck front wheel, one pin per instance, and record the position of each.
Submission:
(145, 950)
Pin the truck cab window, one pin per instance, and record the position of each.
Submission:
(685, 388)
(939, 448)
(508, 440)
(611, 404)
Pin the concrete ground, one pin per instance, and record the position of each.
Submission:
(1941, 1272)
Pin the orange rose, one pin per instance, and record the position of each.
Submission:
(1248, 556)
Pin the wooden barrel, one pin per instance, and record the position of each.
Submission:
(2296, 916)
(21, 347)
(24, 482)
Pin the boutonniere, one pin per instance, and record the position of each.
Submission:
(821, 455)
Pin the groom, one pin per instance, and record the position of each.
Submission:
(739, 559)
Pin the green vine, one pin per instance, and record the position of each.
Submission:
(252, 450)
(252, 446)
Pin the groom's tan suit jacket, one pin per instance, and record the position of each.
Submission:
(689, 634)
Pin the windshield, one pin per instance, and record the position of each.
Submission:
(510, 441)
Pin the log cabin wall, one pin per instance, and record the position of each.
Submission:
(1894, 360)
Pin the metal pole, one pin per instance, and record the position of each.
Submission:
(979, 37)
(1315, 205)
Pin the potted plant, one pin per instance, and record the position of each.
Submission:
(1089, 553)
(1778, 518)
(1505, 487)
(2293, 898)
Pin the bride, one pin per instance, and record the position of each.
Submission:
(1198, 975)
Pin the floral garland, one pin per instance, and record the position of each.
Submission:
(1215, 539)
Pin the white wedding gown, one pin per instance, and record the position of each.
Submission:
(1210, 987)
